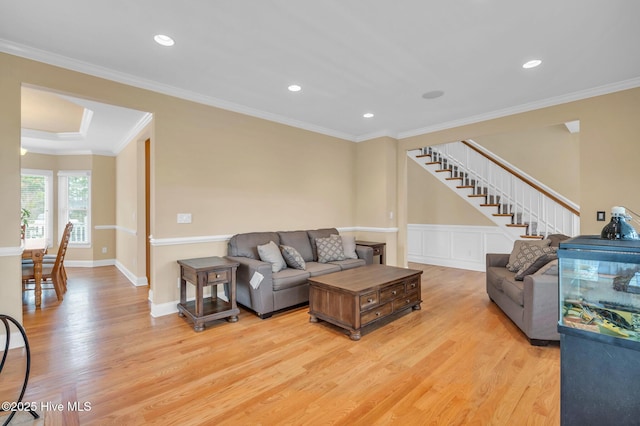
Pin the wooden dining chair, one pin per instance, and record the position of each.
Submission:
(53, 272)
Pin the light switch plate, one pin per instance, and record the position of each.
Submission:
(184, 217)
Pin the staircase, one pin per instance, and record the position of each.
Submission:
(521, 206)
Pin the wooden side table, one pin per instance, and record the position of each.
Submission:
(378, 249)
(202, 272)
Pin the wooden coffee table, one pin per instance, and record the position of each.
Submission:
(358, 297)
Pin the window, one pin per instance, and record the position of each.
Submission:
(74, 204)
(35, 197)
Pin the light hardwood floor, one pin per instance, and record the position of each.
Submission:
(458, 361)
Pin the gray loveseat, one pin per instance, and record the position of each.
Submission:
(287, 288)
(532, 302)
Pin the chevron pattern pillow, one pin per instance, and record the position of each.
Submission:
(330, 249)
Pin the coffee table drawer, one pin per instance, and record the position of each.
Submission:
(412, 286)
(403, 302)
(374, 314)
(368, 300)
(391, 292)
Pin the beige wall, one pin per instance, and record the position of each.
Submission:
(102, 199)
(376, 197)
(429, 201)
(608, 151)
(236, 173)
(232, 172)
(127, 207)
(550, 154)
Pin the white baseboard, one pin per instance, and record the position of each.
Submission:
(89, 263)
(136, 281)
(162, 309)
(16, 340)
(455, 246)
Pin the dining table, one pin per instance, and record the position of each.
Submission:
(35, 249)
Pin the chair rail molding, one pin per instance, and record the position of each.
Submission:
(156, 242)
(11, 251)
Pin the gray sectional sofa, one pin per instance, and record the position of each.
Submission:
(264, 291)
(531, 301)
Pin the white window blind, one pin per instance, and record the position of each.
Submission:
(36, 195)
(74, 205)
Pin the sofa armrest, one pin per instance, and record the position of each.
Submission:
(366, 253)
(541, 306)
(259, 299)
(497, 259)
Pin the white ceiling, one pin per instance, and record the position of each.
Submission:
(349, 56)
(105, 130)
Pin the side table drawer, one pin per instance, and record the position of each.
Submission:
(391, 292)
(218, 276)
(374, 314)
(368, 300)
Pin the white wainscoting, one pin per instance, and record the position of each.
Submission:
(455, 246)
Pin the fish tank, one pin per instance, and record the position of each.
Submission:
(599, 286)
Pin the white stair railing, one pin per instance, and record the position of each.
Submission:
(532, 203)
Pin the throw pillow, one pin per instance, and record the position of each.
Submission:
(517, 247)
(530, 253)
(271, 253)
(293, 257)
(330, 249)
(550, 268)
(349, 246)
(532, 266)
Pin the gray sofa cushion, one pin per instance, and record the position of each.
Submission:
(246, 245)
(349, 263)
(298, 240)
(514, 289)
(288, 278)
(315, 268)
(496, 274)
(319, 233)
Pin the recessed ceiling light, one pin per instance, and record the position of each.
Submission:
(368, 115)
(532, 63)
(433, 94)
(164, 40)
(294, 88)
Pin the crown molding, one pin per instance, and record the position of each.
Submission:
(120, 77)
(140, 125)
(531, 106)
(376, 135)
(39, 55)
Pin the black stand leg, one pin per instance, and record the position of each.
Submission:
(6, 319)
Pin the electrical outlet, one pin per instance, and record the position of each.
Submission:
(104, 250)
(184, 217)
